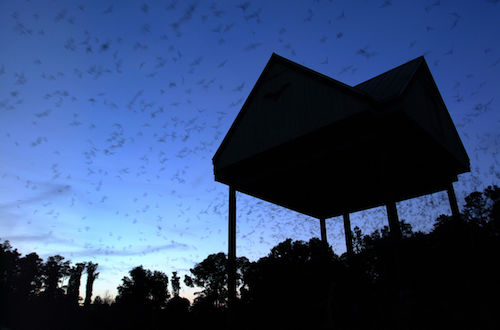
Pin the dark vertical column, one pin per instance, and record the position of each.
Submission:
(455, 212)
(323, 230)
(392, 215)
(231, 255)
(348, 234)
(394, 266)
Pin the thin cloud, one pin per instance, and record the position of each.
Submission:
(129, 252)
(52, 190)
(38, 238)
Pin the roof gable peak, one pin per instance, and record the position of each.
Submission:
(392, 83)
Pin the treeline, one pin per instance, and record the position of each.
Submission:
(447, 278)
(32, 291)
(46, 295)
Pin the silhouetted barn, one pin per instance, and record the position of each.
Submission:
(312, 144)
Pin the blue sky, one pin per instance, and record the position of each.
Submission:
(110, 113)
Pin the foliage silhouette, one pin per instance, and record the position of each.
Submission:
(176, 284)
(143, 289)
(211, 276)
(54, 270)
(29, 281)
(293, 285)
(447, 278)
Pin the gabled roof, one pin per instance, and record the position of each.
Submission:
(315, 145)
(382, 88)
(391, 84)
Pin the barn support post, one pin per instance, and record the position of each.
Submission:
(394, 264)
(231, 255)
(348, 234)
(323, 230)
(455, 212)
(392, 216)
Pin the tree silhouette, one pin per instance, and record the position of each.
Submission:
(54, 270)
(29, 281)
(91, 277)
(302, 275)
(75, 274)
(134, 289)
(176, 284)
(211, 276)
(158, 283)
(9, 260)
(98, 301)
(483, 208)
(143, 289)
(177, 307)
(357, 239)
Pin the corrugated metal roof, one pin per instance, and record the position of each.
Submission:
(392, 83)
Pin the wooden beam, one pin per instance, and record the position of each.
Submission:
(231, 255)
(392, 216)
(348, 234)
(323, 230)
(455, 212)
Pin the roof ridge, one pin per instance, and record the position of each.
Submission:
(404, 73)
(390, 70)
(318, 74)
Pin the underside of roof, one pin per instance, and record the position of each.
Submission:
(317, 146)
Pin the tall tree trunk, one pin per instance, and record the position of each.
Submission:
(74, 283)
(91, 276)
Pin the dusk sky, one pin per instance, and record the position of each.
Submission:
(111, 111)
